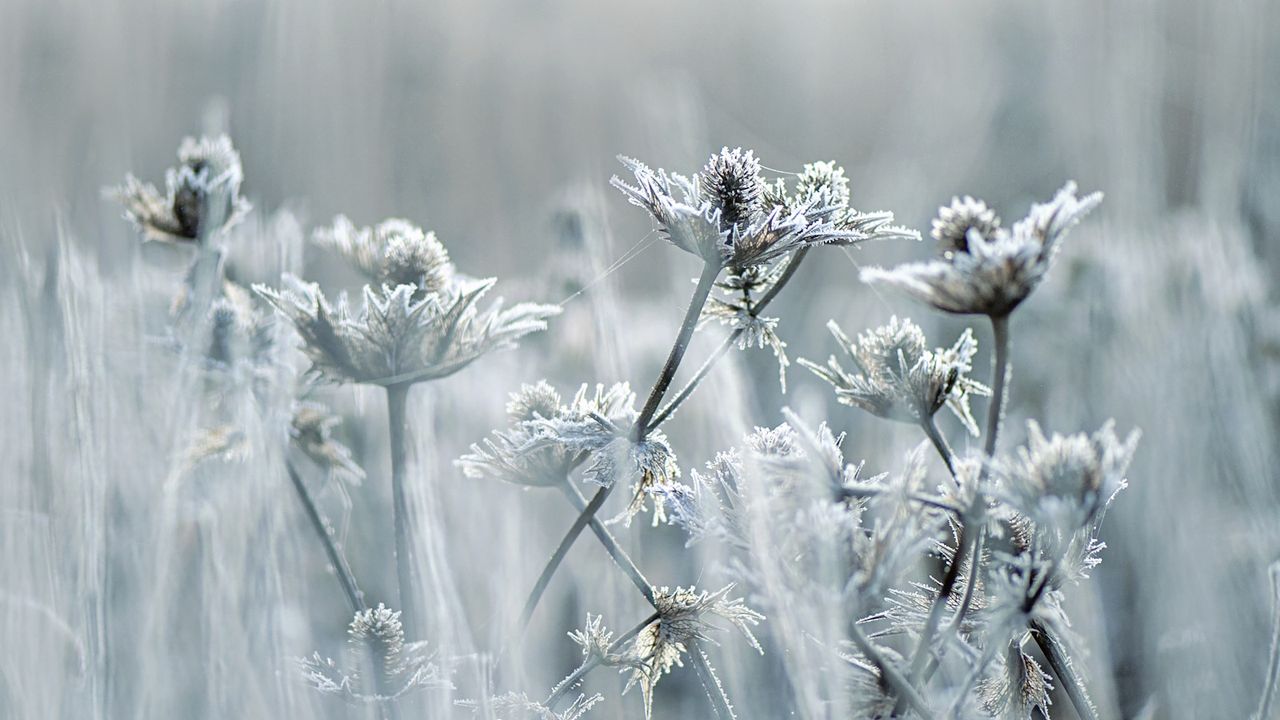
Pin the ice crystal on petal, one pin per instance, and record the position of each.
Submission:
(201, 198)
(899, 378)
(991, 274)
(398, 338)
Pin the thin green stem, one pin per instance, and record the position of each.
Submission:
(610, 544)
(345, 577)
(592, 663)
(790, 270)
(397, 401)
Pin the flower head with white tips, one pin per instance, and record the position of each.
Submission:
(900, 378)
(986, 269)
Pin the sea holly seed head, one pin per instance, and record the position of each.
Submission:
(731, 182)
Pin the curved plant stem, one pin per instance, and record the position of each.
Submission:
(576, 676)
(611, 545)
(1273, 665)
(792, 265)
(1071, 683)
(706, 280)
(930, 427)
(347, 579)
(397, 398)
(890, 675)
(711, 685)
(968, 541)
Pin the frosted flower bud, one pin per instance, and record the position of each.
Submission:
(394, 252)
(732, 184)
(954, 222)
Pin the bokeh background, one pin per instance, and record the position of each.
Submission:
(128, 589)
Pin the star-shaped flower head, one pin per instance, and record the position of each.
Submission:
(1065, 482)
(986, 269)
(899, 378)
(394, 252)
(683, 616)
(201, 198)
(400, 335)
(522, 453)
(728, 215)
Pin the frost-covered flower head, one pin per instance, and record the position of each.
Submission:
(394, 252)
(399, 336)
(522, 453)
(727, 214)
(899, 378)
(683, 619)
(1067, 481)
(986, 269)
(375, 634)
(201, 198)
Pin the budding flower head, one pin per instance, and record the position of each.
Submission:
(954, 222)
(202, 194)
(732, 184)
(394, 252)
(900, 378)
(986, 269)
(379, 629)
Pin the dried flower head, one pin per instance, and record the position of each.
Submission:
(719, 213)
(202, 194)
(741, 288)
(1019, 688)
(1067, 481)
(989, 270)
(682, 621)
(312, 433)
(899, 378)
(393, 252)
(399, 336)
(524, 454)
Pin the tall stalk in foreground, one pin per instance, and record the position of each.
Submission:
(419, 321)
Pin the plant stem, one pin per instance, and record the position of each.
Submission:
(930, 427)
(354, 597)
(1053, 651)
(1273, 665)
(706, 281)
(705, 368)
(611, 544)
(890, 675)
(397, 397)
(711, 685)
(968, 541)
(576, 676)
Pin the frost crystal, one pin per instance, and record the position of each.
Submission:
(900, 378)
(201, 198)
(989, 270)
